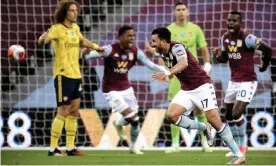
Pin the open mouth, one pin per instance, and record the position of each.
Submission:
(231, 29)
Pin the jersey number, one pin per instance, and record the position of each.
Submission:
(204, 103)
(241, 93)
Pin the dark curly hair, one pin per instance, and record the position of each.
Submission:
(62, 8)
(163, 34)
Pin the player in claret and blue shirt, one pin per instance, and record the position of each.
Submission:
(197, 90)
(237, 47)
(119, 58)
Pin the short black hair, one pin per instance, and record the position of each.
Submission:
(163, 33)
(123, 29)
(236, 13)
(180, 3)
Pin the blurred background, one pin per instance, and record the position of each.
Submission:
(27, 92)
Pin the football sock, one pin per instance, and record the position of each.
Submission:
(121, 121)
(175, 133)
(202, 118)
(241, 131)
(135, 129)
(71, 130)
(227, 137)
(233, 128)
(187, 123)
(56, 130)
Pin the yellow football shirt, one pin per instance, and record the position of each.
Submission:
(66, 45)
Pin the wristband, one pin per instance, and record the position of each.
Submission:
(168, 73)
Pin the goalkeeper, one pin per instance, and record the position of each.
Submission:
(66, 39)
(191, 36)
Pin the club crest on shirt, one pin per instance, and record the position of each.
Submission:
(190, 34)
(182, 35)
(258, 41)
(72, 33)
(130, 56)
(65, 98)
(239, 43)
(124, 57)
(180, 52)
(73, 39)
(232, 43)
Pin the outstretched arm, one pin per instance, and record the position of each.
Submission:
(95, 54)
(144, 60)
(88, 44)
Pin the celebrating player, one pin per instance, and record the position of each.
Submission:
(191, 35)
(66, 39)
(119, 59)
(237, 47)
(197, 90)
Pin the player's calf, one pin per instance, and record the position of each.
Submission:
(118, 124)
(239, 120)
(184, 121)
(174, 116)
(133, 119)
(224, 131)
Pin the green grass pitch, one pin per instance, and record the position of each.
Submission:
(22, 157)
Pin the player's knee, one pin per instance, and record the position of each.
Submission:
(213, 115)
(75, 106)
(237, 114)
(74, 113)
(63, 111)
(131, 117)
(135, 121)
(172, 116)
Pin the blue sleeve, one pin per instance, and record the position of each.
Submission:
(145, 61)
(221, 44)
(107, 50)
(179, 51)
(96, 54)
(252, 41)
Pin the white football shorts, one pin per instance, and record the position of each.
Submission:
(121, 100)
(242, 91)
(204, 97)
